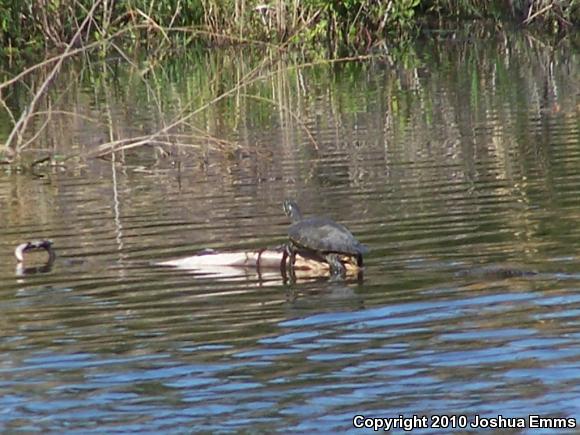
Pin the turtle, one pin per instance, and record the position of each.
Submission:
(321, 238)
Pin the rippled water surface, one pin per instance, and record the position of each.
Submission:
(461, 174)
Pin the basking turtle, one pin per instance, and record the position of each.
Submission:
(322, 238)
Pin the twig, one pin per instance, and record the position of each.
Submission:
(67, 54)
(540, 12)
(8, 111)
(22, 123)
(65, 112)
(153, 23)
(37, 134)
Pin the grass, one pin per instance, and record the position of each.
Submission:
(349, 30)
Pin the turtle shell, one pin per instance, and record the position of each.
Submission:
(325, 235)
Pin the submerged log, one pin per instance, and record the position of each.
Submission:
(497, 271)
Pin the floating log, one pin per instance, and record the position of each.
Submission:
(263, 259)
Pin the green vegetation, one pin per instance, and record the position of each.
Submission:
(349, 25)
(144, 34)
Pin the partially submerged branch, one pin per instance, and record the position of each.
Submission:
(15, 138)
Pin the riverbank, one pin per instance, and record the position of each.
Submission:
(340, 27)
(148, 42)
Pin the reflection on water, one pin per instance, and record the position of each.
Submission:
(458, 175)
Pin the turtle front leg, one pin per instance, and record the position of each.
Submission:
(284, 258)
(284, 263)
(289, 251)
(292, 262)
(337, 269)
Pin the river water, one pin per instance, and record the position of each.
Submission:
(454, 164)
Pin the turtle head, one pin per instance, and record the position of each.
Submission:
(292, 211)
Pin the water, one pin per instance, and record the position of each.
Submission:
(446, 171)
